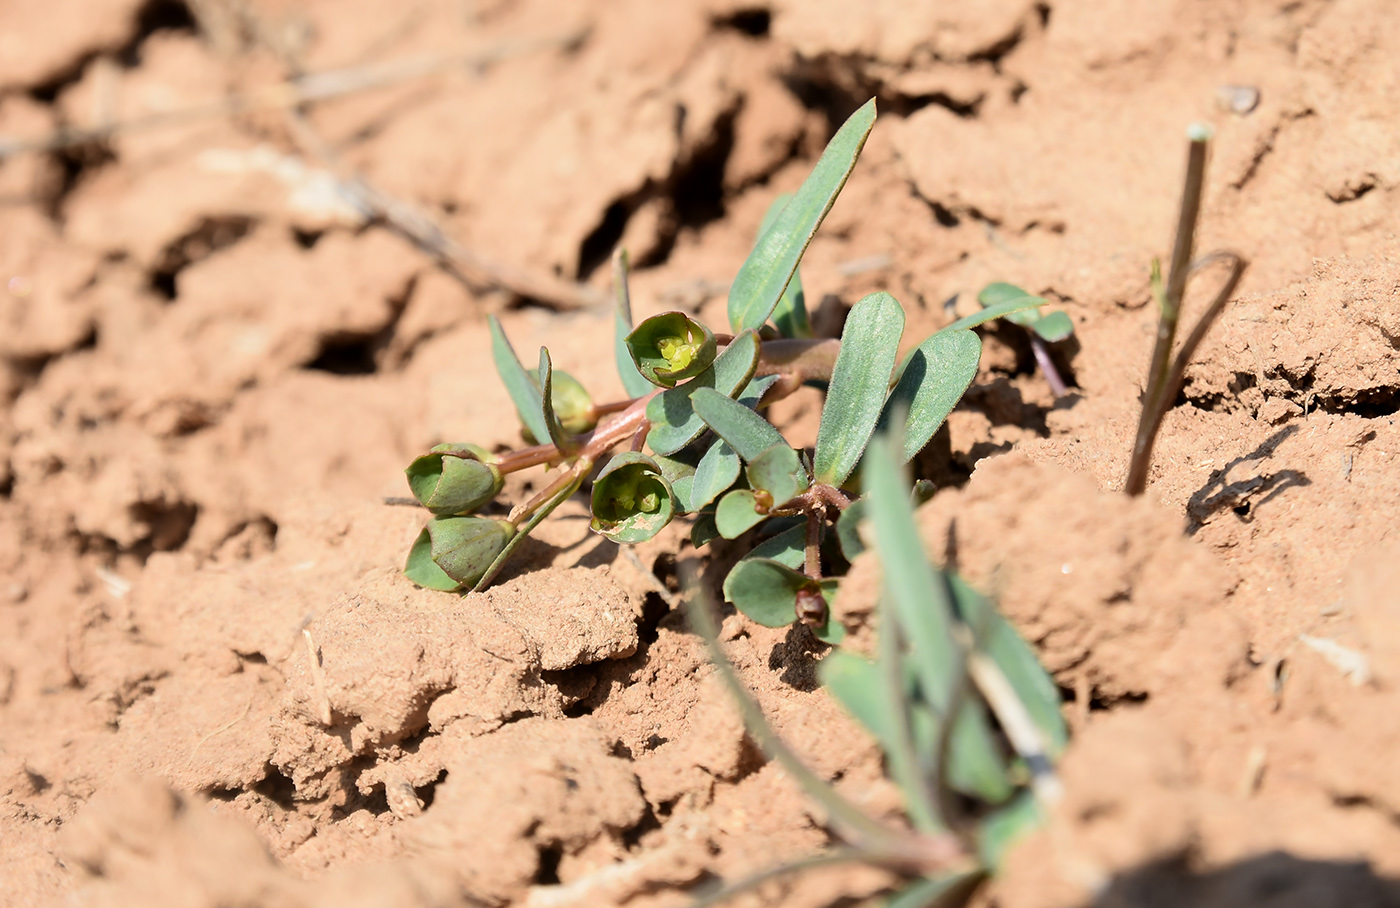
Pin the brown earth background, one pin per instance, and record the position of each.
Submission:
(218, 352)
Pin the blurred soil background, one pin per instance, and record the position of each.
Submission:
(248, 249)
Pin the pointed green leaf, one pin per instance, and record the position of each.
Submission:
(779, 472)
(520, 385)
(737, 513)
(997, 638)
(1002, 309)
(997, 832)
(561, 439)
(859, 383)
(718, 469)
(926, 892)
(858, 686)
(976, 764)
(932, 380)
(675, 423)
(632, 381)
(790, 316)
(918, 594)
(746, 432)
(766, 273)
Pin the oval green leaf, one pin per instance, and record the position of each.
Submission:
(717, 470)
(766, 273)
(859, 383)
(932, 379)
(766, 591)
(779, 472)
(746, 432)
(737, 513)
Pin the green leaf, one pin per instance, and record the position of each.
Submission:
(632, 381)
(997, 638)
(561, 439)
(746, 432)
(779, 472)
(997, 832)
(1001, 309)
(1054, 327)
(926, 892)
(932, 379)
(790, 316)
(737, 513)
(833, 631)
(704, 531)
(766, 591)
(848, 528)
(765, 275)
(718, 469)
(859, 383)
(858, 685)
(676, 466)
(683, 490)
(520, 385)
(976, 764)
(787, 548)
(675, 423)
(920, 598)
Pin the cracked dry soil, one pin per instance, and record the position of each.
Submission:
(215, 689)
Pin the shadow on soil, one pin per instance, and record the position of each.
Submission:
(1273, 880)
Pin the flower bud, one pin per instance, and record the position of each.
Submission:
(453, 552)
(572, 403)
(632, 501)
(454, 479)
(670, 347)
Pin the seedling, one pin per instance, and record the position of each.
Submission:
(1165, 375)
(690, 439)
(952, 684)
(1043, 328)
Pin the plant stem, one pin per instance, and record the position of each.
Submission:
(813, 565)
(810, 360)
(1047, 366)
(1166, 374)
(1170, 313)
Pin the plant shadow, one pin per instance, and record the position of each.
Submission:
(1272, 880)
(1246, 495)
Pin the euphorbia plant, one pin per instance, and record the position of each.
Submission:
(690, 438)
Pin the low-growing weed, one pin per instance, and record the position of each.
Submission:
(691, 440)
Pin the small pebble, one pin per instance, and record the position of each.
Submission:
(1237, 99)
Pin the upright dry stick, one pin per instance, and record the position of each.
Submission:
(1165, 375)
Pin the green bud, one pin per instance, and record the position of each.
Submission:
(670, 347)
(453, 552)
(572, 403)
(632, 501)
(454, 479)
